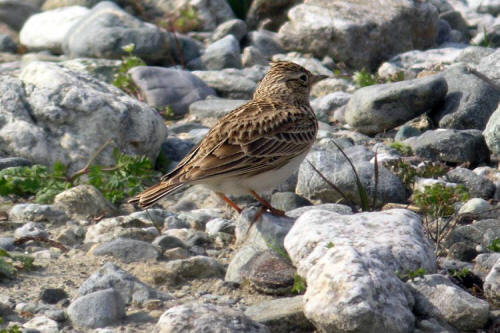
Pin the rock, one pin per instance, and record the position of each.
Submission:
(252, 56)
(15, 12)
(127, 250)
(106, 29)
(52, 295)
(31, 229)
(477, 186)
(268, 14)
(377, 108)
(492, 285)
(43, 118)
(267, 42)
(46, 30)
(492, 132)
(450, 145)
(236, 27)
(214, 108)
(228, 83)
(405, 132)
(98, 309)
(336, 208)
(220, 225)
(288, 201)
(333, 28)
(475, 207)
(176, 272)
(83, 201)
(7, 44)
(334, 166)
(101, 69)
(224, 53)
(37, 213)
(41, 324)
(469, 103)
(490, 67)
(131, 289)
(432, 325)
(436, 296)
(162, 87)
(311, 64)
(206, 318)
(174, 149)
(484, 263)
(11, 162)
(7, 243)
(325, 106)
(485, 6)
(470, 237)
(166, 242)
(472, 55)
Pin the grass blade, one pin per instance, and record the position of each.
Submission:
(375, 170)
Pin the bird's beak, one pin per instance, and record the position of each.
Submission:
(316, 78)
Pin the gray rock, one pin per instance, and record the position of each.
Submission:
(46, 30)
(477, 207)
(42, 119)
(437, 296)
(206, 318)
(492, 132)
(131, 289)
(228, 83)
(405, 132)
(166, 242)
(127, 250)
(224, 53)
(492, 285)
(478, 186)
(472, 55)
(31, 229)
(252, 56)
(177, 272)
(7, 44)
(15, 12)
(288, 201)
(450, 145)
(325, 106)
(164, 87)
(484, 262)
(41, 324)
(220, 225)
(336, 253)
(432, 325)
(236, 27)
(469, 103)
(377, 108)
(331, 207)
(268, 14)
(101, 69)
(11, 162)
(334, 28)
(106, 29)
(311, 64)
(52, 295)
(490, 67)
(83, 201)
(469, 237)
(7, 243)
(267, 42)
(37, 213)
(214, 108)
(334, 166)
(281, 315)
(175, 149)
(98, 309)
(485, 6)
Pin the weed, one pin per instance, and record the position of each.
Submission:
(494, 246)
(408, 172)
(403, 149)
(273, 245)
(122, 78)
(460, 274)
(299, 284)
(187, 20)
(168, 113)
(363, 78)
(12, 329)
(330, 245)
(438, 200)
(10, 264)
(410, 275)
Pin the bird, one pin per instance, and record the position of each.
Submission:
(253, 148)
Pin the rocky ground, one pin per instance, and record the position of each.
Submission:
(410, 102)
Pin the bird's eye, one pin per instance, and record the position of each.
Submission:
(303, 77)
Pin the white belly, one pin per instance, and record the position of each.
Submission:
(259, 183)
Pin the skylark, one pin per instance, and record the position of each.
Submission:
(253, 148)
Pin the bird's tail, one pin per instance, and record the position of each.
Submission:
(154, 193)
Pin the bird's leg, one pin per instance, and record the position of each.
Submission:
(229, 202)
(274, 211)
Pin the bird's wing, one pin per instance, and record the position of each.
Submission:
(258, 136)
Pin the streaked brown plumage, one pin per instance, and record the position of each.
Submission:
(255, 146)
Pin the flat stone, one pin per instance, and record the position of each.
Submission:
(127, 250)
(176, 272)
(83, 201)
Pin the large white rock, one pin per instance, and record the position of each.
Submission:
(46, 30)
(492, 284)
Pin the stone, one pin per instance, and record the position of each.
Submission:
(332, 207)
(437, 296)
(7, 243)
(432, 325)
(41, 324)
(15, 12)
(37, 213)
(251, 56)
(166, 242)
(450, 145)
(475, 207)
(83, 201)
(235, 27)
(220, 225)
(7, 44)
(380, 107)
(46, 30)
(334, 28)
(106, 29)
(469, 103)
(287, 201)
(228, 83)
(31, 229)
(224, 53)
(492, 132)
(268, 14)
(492, 285)
(101, 69)
(311, 64)
(472, 55)
(214, 107)
(42, 119)
(52, 295)
(267, 42)
(485, 6)
(325, 106)
(131, 289)
(405, 132)
(175, 149)
(477, 186)
(480, 233)
(11, 162)
(208, 318)
(490, 67)
(127, 250)
(284, 314)
(176, 272)
(176, 88)
(98, 309)
(334, 166)
(350, 270)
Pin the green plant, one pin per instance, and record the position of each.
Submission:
(437, 200)
(240, 7)
(299, 284)
(273, 245)
(460, 274)
(410, 275)
(168, 113)
(408, 172)
(186, 20)
(363, 78)
(494, 246)
(330, 245)
(10, 264)
(122, 78)
(403, 149)
(12, 329)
